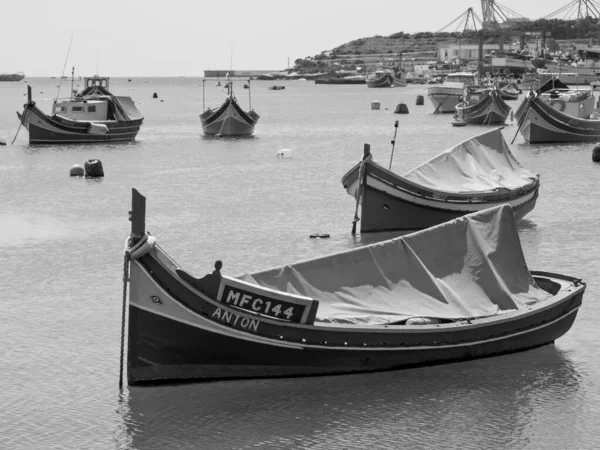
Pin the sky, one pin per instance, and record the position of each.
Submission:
(128, 38)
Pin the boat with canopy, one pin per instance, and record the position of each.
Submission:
(400, 303)
(476, 174)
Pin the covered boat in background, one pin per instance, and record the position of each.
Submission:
(444, 97)
(91, 116)
(229, 119)
(482, 107)
(557, 113)
(476, 174)
(395, 304)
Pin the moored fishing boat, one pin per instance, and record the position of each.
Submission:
(558, 114)
(91, 116)
(396, 304)
(482, 107)
(446, 96)
(229, 119)
(476, 174)
(510, 91)
(387, 74)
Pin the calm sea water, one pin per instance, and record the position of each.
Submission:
(61, 282)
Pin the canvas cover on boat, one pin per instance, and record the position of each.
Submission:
(482, 163)
(126, 109)
(472, 266)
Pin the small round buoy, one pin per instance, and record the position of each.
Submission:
(93, 168)
(77, 171)
(319, 235)
(155, 95)
(596, 153)
(2, 142)
(401, 108)
(162, 100)
(420, 100)
(284, 153)
(375, 105)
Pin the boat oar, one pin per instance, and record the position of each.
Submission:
(440, 104)
(361, 175)
(522, 120)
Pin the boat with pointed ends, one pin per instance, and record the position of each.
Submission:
(395, 304)
(444, 97)
(556, 113)
(386, 74)
(229, 119)
(483, 107)
(18, 76)
(510, 91)
(91, 116)
(476, 174)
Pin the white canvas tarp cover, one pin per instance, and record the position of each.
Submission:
(472, 266)
(482, 163)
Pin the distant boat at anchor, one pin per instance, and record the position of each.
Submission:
(229, 119)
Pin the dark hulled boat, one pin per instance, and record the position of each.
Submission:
(396, 304)
(229, 119)
(556, 113)
(510, 91)
(91, 116)
(476, 174)
(483, 107)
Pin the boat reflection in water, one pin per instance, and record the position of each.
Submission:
(504, 402)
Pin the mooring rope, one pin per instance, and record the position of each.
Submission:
(125, 281)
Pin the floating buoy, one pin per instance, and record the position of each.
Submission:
(401, 108)
(284, 153)
(420, 100)
(162, 100)
(93, 168)
(375, 105)
(77, 171)
(319, 235)
(2, 142)
(596, 153)
(155, 95)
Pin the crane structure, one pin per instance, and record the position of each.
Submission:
(576, 10)
(464, 22)
(495, 15)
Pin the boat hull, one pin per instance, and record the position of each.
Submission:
(491, 110)
(541, 123)
(45, 129)
(444, 99)
(228, 121)
(385, 81)
(382, 211)
(170, 340)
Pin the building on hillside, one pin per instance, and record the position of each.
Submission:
(467, 52)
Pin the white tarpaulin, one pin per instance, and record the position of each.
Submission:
(482, 163)
(470, 267)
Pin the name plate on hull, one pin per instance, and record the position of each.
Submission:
(268, 302)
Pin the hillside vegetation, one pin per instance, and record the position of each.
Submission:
(423, 46)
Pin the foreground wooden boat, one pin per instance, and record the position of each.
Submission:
(476, 174)
(229, 119)
(91, 116)
(396, 304)
(558, 115)
(483, 107)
